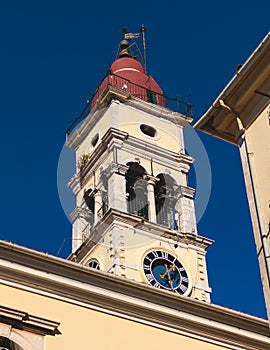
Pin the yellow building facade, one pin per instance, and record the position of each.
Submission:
(241, 115)
(137, 274)
(52, 303)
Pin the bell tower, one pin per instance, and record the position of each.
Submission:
(135, 215)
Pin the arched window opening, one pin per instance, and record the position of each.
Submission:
(94, 264)
(136, 190)
(94, 140)
(90, 202)
(7, 344)
(165, 201)
(104, 194)
(105, 205)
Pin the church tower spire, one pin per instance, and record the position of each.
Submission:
(135, 215)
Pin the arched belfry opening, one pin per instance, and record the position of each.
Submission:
(136, 190)
(165, 199)
(89, 200)
(96, 202)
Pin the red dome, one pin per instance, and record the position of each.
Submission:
(132, 70)
(126, 63)
(127, 74)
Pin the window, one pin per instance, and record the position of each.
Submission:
(148, 130)
(165, 199)
(94, 264)
(94, 140)
(136, 190)
(88, 197)
(151, 96)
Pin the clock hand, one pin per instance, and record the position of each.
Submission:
(162, 275)
(167, 272)
(170, 281)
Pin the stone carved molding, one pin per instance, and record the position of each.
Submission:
(74, 184)
(184, 191)
(194, 318)
(24, 321)
(116, 168)
(116, 139)
(151, 180)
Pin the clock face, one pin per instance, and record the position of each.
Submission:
(163, 270)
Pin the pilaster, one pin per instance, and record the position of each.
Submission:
(117, 252)
(80, 226)
(186, 210)
(117, 186)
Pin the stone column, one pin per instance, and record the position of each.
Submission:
(151, 181)
(117, 187)
(98, 206)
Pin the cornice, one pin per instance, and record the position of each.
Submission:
(76, 137)
(111, 136)
(159, 152)
(24, 321)
(113, 95)
(65, 280)
(185, 191)
(122, 140)
(74, 184)
(115, 168)
(156, 231)
(243, 96)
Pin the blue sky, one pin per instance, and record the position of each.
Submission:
(53, 56)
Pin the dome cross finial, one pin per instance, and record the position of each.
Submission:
(128, 41)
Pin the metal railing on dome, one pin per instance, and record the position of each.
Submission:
(135, 90)
(126, 85)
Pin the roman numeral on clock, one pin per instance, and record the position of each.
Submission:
(155, 254)
(146, 267)
(183, 288)
(149, 277)
(164, 255)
